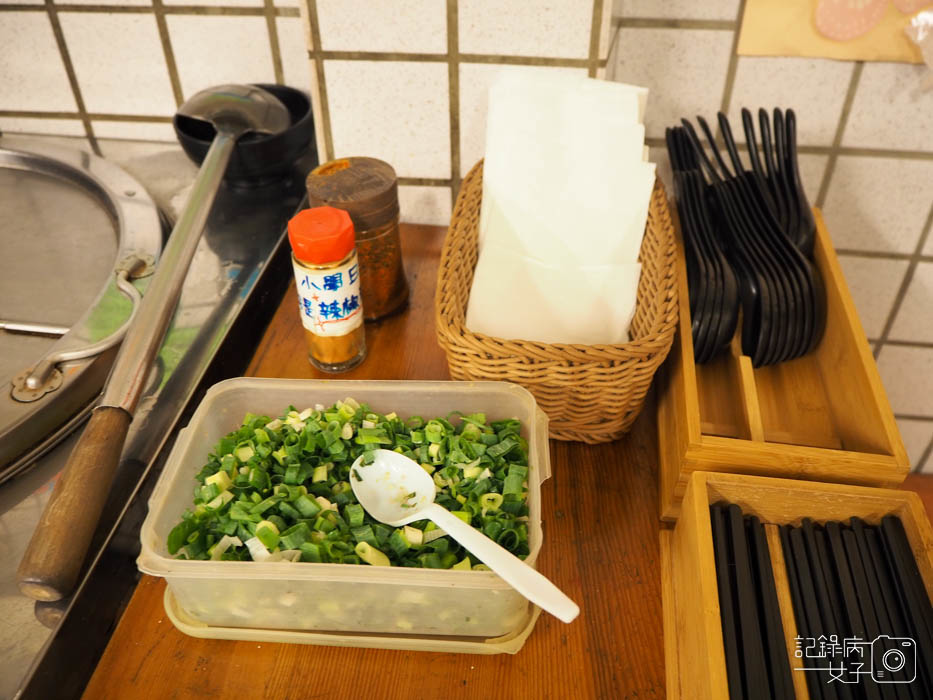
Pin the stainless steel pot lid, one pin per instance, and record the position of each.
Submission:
(79, 237)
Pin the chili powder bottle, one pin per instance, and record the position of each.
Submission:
(327, 276)
(367, 189)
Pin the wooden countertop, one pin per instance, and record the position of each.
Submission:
(600, 520)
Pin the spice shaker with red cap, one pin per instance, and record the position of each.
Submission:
(327, 276)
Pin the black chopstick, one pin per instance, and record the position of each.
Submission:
(810, 610)
(873, 629)
(824, 587)
(885, 623)
(796, 597)
(756, 677)
(915, 604)
(778, 664)
(724, 573)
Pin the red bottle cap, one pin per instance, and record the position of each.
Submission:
(321, 235)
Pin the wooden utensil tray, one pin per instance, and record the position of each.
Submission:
(821, 417)
(693, 642)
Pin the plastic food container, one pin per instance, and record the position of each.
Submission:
(339, 597)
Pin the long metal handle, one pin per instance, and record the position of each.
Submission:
(142, 341)
(52, 562)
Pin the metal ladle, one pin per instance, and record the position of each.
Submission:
(49, 568)
(396, 490)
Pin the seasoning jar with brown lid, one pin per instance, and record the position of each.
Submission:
(327, 276)
(367, 189)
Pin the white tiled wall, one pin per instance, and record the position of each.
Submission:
(685, 70)
(398, 111)
(874, 296)
(390, 70)
(215, 50)
(25, 83)
(130, 77)
(403, 26)
(891, 110)
(879, 204)
(556, 28)
(406, 81)
(678, 9)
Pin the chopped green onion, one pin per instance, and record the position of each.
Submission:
(308, 507)
(490, 501)
(279, 490)
(217, 551)
(257, 550)
(221, 479)
(371, 555)
(354, 514)
(268, 533)
(221, 500)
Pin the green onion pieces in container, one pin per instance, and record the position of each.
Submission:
(279, 490)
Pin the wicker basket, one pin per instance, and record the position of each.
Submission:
(591, 393)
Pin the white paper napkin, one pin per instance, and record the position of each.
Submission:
(566, 189)
(516, 297)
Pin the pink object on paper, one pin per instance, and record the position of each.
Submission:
(848, 19)
(908, 7)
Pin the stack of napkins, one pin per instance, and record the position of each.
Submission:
(566, 189)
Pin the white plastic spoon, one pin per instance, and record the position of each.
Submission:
(397, 491)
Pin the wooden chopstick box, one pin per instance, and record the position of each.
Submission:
(693, 642)
(821, 417)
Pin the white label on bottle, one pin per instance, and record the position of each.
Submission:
(329, 300)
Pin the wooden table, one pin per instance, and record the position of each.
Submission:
(600, 518)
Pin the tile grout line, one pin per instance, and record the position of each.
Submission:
(881, 254)
(317, 55)
(168, 52)
(425, 181)
(731, 70)
(461, 57)
(667, 23)
(905, 283)
(652, 141)
(202, 10)
(43, 135)
(274, 46)
(596, 22)
(840, 129)
(615, 32)
(95, 116)
(924, 458)
(875, 152)
(917, 344)
(912, 416)
(453, 99)
(509, 60)
(72, 75)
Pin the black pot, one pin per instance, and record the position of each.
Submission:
(257, 158)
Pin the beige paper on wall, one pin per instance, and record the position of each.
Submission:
(788, 28)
